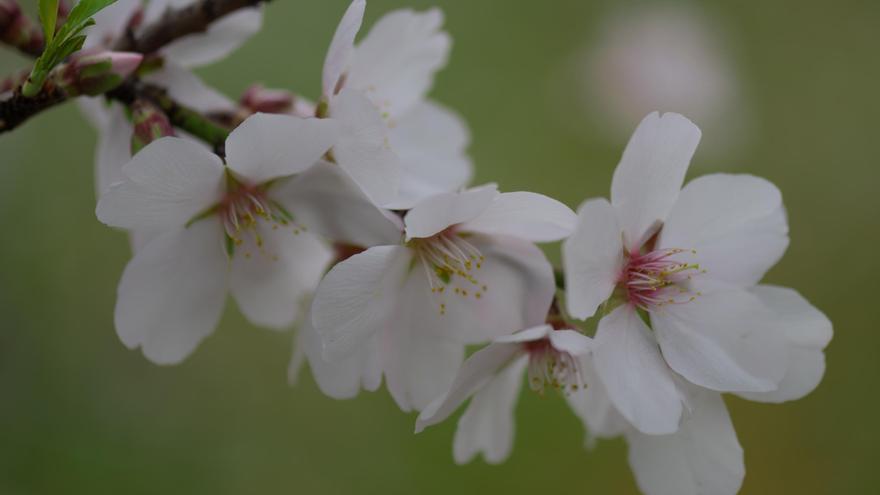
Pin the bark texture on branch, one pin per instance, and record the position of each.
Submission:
(176, 23)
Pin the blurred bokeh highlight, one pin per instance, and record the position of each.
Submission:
(782, 89)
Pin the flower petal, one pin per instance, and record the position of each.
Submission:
(396, 61)
(222, 37)
(571, 342)
(172, 292)
(703, 457)
(807, 331)
(529, 216)
(345, 378)
(487, 425)
(183, 85)
(593, 406)
(629, 364)
(328, 202)
(356, 298)
(441, 211)
(362, 149)
(476, 372)
(513, 290)
(114, 140)
(592, 258)
(270, 281)
(268, 146)
(431, 142)
(342, 47)
(528, 335)
(165, 185)
(110, 23)
(650, 174)
(725, 340)
(736, 223)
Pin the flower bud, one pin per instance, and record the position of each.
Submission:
(95, 74)
(150, 124)
(260, 99)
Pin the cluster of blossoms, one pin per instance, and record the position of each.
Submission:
(353, 220)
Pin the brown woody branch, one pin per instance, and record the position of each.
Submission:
(177, 23)
(174, 24)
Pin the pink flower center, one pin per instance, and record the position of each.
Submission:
(549, 366)
(657, 278)
(451, 264)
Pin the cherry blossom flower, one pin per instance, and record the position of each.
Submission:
(178, 59)
(215, 229)
(465, 271)
(398, 146)
(703, 456)
(689, 260)
(493, 376)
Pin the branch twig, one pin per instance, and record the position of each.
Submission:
(176, 23)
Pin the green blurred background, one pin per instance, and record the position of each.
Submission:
(81, 414)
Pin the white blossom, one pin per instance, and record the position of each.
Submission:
(464, 270)
(213, 229)
(397, 145)
(690, 260)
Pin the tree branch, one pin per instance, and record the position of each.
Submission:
(177, 23)
(174, 24)
(17, 29)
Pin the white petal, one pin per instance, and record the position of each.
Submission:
(487, 425)
(629, 364)
(431, 142)
(724, 340)
(592, 258)
(530, 216)
(184, 86)
(268, 146)
(356, 298)
(807, 331)
(362, 149)
(165, 185)
(110, 23)
(571, 342)
(342, 47)
(270, 282)
(420, 366)
(593, 406)
(222, 37)
(703, 458)
(438, 212)
(475, 373)
(345, 378)
(396, 61)
(650, 174)
(528, 335)
(519, 287)
(328, 202)
(172, 292)
(736, 223)
(114, 140)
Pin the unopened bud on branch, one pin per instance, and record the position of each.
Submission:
(95, 74)
(260, 99)
(150, 124)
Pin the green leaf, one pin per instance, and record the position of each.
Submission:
(49, 16)
(82, 12)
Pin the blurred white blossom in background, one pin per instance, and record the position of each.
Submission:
(667, 58)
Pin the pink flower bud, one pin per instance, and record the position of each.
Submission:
(150, 124)
(259, 99)
(96, 73)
